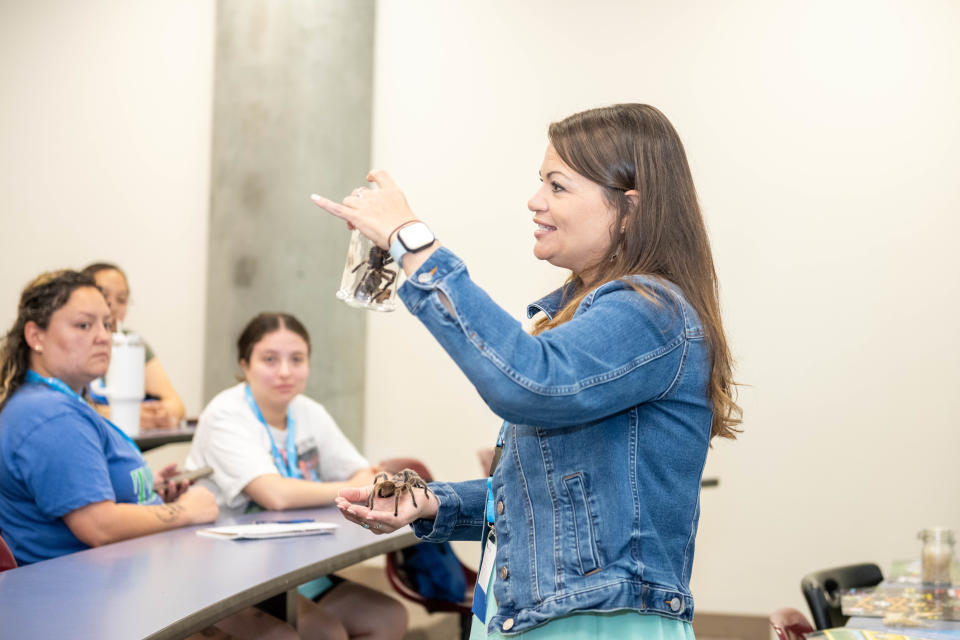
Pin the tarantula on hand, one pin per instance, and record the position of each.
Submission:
(407, 480)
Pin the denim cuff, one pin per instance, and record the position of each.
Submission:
(441, 264)
(440, 529)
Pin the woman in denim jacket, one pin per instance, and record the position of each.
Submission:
(591, 512)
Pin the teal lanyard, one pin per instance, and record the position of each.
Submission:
(493, 466)
(289, 468)
(59, 385)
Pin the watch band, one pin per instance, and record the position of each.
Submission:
(418, 237)
(397, 251)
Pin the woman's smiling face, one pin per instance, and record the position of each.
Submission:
(574, 220)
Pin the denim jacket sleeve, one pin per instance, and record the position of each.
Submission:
(621, 348)
(460, 515)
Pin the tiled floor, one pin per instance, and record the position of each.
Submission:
(423, 625)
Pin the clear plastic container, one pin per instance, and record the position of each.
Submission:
(123, 387)
(370, 276)
(937, 555)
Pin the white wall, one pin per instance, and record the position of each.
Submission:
(105, 155)
(823, 139)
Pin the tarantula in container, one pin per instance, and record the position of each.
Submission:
(376, 280)
(407, 480)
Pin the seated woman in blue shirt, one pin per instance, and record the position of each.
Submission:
(590, 514)
(69, 479)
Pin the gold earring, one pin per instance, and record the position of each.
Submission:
(38, 349)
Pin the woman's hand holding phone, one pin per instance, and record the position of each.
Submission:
(173, 483)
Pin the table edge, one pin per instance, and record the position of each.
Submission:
(203, 618)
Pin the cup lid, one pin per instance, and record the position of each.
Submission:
(937, 533)
(120, 338)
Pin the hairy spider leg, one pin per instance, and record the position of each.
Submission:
(384, 292)
(409, 487)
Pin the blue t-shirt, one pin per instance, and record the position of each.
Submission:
(57, 454)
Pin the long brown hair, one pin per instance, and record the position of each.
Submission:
(38, 302)
(633, 147)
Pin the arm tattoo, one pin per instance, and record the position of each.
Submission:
(167, 513)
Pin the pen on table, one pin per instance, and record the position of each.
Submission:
(284, 521)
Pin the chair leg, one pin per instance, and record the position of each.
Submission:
(465, 621)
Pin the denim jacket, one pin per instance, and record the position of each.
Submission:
(607, 425)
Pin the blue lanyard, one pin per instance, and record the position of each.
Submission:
(496, 460)
(59, 385)
(288, 469)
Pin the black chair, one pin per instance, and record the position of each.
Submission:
(823, 590)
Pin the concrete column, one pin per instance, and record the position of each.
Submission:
(292, 105)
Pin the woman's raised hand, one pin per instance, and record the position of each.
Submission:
(375, 212)
(352, 503)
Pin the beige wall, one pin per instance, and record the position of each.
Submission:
(823, 140)
(105, 155)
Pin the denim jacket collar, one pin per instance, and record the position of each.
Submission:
(551, 303)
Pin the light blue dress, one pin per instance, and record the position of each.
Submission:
(615, 624)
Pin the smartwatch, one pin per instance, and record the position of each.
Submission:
(410, 239)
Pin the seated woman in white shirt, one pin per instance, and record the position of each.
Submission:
(274, 447)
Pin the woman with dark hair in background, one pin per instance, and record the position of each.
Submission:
(164, 409)
(591, 510)
(272, 447)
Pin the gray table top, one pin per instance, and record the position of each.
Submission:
(171, 584)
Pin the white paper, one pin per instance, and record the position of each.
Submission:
(267, 530)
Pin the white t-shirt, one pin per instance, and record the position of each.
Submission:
(232, 441)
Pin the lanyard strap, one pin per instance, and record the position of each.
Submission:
(493, 467)
(59, 385)
(289, 468)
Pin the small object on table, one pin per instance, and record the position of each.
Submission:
(902, 620)
(937, 555)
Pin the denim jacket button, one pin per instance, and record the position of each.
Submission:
(500, 507)
(508, 624)
(425, 278)
(504, 573)
(675, 604)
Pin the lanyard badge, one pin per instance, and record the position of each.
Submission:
(59, 385)
(490, 550)
(288, 468)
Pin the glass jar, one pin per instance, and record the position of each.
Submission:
(937, 555)
(370, 276)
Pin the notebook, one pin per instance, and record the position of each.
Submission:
(267, 530)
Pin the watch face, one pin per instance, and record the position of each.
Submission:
(416, 236)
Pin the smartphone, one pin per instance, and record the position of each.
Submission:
(195, 474)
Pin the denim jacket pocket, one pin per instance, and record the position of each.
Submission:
(583, 530)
